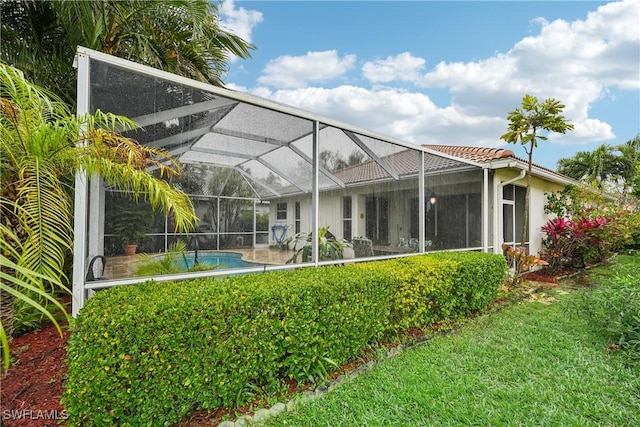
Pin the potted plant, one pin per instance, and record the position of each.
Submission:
(131, 224)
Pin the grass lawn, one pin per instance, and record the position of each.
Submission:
(534, 363)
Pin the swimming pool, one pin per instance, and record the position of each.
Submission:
(222, 260)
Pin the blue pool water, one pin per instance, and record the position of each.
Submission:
(222, 260)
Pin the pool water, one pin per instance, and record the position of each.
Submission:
(222, 260)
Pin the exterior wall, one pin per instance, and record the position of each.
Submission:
(402, 199)
(400, 194)
(539, 189)
(537, 217)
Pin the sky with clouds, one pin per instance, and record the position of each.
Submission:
(430, 72)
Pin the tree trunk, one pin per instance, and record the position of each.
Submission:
(525, 214)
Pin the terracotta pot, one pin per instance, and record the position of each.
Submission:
(130, 250)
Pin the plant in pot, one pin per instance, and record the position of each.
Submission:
(131, 223)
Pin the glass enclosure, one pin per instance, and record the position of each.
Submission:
(268, 180)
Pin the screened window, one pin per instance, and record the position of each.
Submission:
(281, 211)
(347, 225)
(297, 218)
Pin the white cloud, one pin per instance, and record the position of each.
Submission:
(408, 116)
(238, 21)
(297, 71)
(403, 67)
(579, 63)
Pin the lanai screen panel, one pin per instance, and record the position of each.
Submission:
(235, 156)
(249, 166)
(453, 204)
(369, 210)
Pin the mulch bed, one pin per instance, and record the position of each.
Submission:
(32, 387)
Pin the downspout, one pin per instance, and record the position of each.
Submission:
(497, 203)
(485, 211)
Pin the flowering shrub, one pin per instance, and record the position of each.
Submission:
(568, 242)
(588, 227)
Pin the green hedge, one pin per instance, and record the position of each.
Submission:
(150, 354)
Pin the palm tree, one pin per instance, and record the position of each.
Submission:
(39, 141)
(629, 161)
(525, 126)
(183, 37)
(594, 167)
(604, 168)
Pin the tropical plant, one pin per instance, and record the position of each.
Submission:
(588, 226)
(593, 167)
(131, 221)
(23, 283)
(173, 261)
(521, 262)
(179, 36)
(613, 169)
(525, 127)
(329, 247)
(40, 141)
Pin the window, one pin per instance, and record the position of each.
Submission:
(346, 218)
(513, 198)
(281, 211)
(377, 219)
(297, 220)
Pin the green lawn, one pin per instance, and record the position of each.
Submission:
(533, 363)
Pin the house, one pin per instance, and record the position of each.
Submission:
(459, 181)
(258, 171)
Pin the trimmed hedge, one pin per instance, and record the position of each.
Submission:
(152, 353)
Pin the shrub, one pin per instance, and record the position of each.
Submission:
(150, 354)
(422, 287)
(442, 286)
(588, 227)
(477, 279)
(156, 351)
(614, 306)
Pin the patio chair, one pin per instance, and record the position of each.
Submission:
(279, 233)
(362, 247)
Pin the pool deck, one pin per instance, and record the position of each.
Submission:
(119, 267)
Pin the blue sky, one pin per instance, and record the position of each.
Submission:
(430, 72)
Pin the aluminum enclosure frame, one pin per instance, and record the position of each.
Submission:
(87, 220)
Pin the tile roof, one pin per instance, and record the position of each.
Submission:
(482, 154)
(475, 154)
(404, 163)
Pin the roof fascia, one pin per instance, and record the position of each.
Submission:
(537, 171)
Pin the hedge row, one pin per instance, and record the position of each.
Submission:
(150, 354)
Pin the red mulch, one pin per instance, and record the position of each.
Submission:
(544, 275)
(32, 387)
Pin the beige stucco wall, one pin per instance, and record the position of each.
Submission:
(538, 199)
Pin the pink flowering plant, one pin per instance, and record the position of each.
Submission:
(569, 242)
(587, 229)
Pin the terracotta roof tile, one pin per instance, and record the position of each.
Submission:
(482, 154)
(404, 163)
(475, 154)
